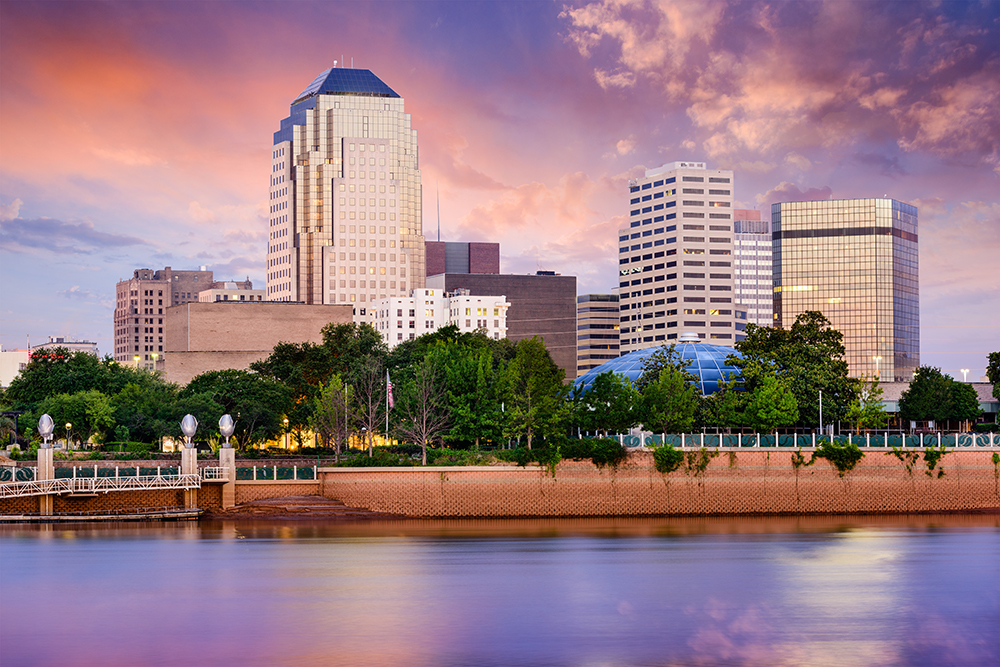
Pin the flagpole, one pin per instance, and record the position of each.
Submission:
(387, 389)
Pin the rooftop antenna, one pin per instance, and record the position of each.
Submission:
(438, 187)
(352, 62)
(334, 64)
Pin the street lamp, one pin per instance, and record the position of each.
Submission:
(45, 428)
(189, 425)
(286, 432)
(69, 425)
(136, 360)
(226, 428)
(965, 375)
(877, 359)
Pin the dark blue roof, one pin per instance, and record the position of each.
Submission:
(347, 81)
(708, 364)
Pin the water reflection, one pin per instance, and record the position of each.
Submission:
(685, 591)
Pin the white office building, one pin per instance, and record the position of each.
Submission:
(426, 310)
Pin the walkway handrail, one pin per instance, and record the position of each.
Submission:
(100, 484)
(218, 474)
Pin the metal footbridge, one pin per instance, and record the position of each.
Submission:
(95, 485)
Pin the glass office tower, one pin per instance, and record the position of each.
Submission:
(344, 207)
(854, 260)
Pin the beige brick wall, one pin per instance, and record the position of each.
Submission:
(755, 482)
(249, 490)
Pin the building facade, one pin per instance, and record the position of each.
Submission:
(854, 260)
(90, 347)
(140, 304)
(675, 259)
(752, 264)
(427, 310)
(542, 305)
(456, 257)
(231, 291)
(222, 335)
(597, 327)
(345, 196)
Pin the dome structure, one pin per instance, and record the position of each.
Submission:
(708, 364)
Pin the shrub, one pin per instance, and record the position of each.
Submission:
(843, 457)
(666, 459)
(607, 452)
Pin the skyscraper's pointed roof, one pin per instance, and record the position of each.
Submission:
(347, 81)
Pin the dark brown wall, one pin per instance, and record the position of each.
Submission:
(543, 306)
(483, 258)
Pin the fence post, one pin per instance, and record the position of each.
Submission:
(158, 471)
(939, 439)
(116, 472)
(739, 439)
(74, 472)
(275, 473)
(295, 472)
(255, 473)
(868, 439)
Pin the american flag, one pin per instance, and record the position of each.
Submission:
(388, 390)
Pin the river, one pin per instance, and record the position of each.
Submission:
(839, 591)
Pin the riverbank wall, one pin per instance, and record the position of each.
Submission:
(736, 482)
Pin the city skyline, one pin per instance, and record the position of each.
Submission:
(136, 135)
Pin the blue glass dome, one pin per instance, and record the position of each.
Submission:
(708, 364)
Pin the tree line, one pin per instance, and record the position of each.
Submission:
(466, 390)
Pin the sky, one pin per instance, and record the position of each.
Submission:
(138, 135)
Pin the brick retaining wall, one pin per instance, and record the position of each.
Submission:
(757, 482)
(247, 491)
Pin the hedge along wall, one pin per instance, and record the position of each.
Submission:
(733, 482)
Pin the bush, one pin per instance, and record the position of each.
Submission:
(843, 458)
(666, 459)
(578, 450)
(607, 452)
(379, 459)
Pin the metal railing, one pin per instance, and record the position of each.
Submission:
(886, 440)
(216, 474)
(97, 485)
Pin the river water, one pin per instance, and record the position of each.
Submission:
(837, 591)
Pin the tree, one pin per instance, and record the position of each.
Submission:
(993, 373)
(665, 357)
(964, 401)
(809, 357)
(772, 405)
(369, 396)
(610, 404)
(333, 413)
(867, 411)
(256, 403)
(350, 346)
(302, 368)
(474, 393)
(928, 398)
(423, 409)
(669, 403)
(535, 392)
(89, 411)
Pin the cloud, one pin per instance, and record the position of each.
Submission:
(11, 211)
(75, 292)
(625, 146)
(616, 80)
(887, 166)
(199, 213)
(786, 191)
(131, 157)
(47, 234)
(798, 161)
(532, 205)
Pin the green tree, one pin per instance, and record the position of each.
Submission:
(867, 410)
(474, 394)
(302, 368)
(809, 357)
(993, 373)
(351, 346)
(257, 404)
(89, 411)
(333, 414)
(666, 356)
(370, 397)
(669, 403)
(964, 401)
(771, 405)
(535, 394)
(928, 398)
(611, 404)
(423, 407)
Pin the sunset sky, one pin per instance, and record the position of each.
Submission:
(138, 135)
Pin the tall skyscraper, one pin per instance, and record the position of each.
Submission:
(854, 260)
(345, 211)
(752, 261)
(675, 260)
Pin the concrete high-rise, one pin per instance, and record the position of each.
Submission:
(675, 259)
(596, 330)
(752, 262)
(345, 200)
(140, 303)
(854, 260)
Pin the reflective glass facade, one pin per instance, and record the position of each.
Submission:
(752, 260)
(675, 259)
(345, 196)
(854, 260)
